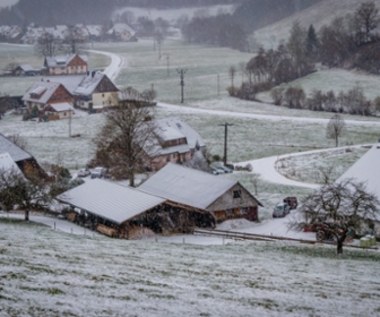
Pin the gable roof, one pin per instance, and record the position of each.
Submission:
(110, 201)
(181, 128)
(17, 153)
(187, 186)
(59, 107)
(41, 91)
(61, 60)
(90, 83)
(366, 170)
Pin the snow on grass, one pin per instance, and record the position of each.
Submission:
(310, 168)
(338, 80)
(54, 274)
(322, 13)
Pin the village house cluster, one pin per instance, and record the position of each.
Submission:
(87, 33)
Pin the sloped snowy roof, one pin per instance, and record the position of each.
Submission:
(121, 28)
(173, 123)
(366, 170)
(110, 201)
(17, 154)
(41, 91)
(89, 83)
(7, 164)
(64, 106)
(70, 82)
(187, 186)
(60, 60)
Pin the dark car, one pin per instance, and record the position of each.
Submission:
(291, 202)
(281, 210)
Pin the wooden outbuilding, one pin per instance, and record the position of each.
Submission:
(125, 212)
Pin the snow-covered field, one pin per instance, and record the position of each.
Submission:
(48, 273)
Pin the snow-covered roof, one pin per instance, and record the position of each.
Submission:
(193, 138)
(41, 91)
(7, 164)
(17, 154)
(64, 106)
(187, 186)
(26, 67)
(110, 201)
(70, 82)
(89, 83)
(366, 170)
(119, 28)
(60, 60)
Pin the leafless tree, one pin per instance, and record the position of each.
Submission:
(336, 128)
(19, 141)
(74, 39)
(48, 45)
(125, 139)
(366, 20)
(27, 194)
(336, 209)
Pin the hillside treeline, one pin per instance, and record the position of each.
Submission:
(232, 30)
(66, 12)
(348, 42)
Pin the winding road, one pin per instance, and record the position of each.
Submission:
(265, 167)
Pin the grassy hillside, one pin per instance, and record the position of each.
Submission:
(46, 273)
(319, 14)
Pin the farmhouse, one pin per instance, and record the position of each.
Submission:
(45, 92)
(175, 142)
(25, 161)
(65, 65)
(121, 32)
(126, 212)
(223, 197)
(96, 92)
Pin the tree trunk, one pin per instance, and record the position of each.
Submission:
(27, 215)
(336, 140)
(339, 243)
(131, 179)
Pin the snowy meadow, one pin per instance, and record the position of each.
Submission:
(57, 274)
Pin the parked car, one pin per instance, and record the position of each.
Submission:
(281, 210)
(84, 173)
(217, 170)
(98, 172)
(292, 202)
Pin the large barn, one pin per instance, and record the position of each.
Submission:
(125, 212)
(225, 198)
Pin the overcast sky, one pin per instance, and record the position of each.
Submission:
(4, 3)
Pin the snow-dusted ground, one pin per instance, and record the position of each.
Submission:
(49, 273)
(113, 69)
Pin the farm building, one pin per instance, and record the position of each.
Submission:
(57, 111)
(25, 70)
(65, 65)
(175, 141)
(126, 212)
(25, 161)
(223, 197)
(45, 92)
(96, 92)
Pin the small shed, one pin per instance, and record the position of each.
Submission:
(126, 212)
(57, 111)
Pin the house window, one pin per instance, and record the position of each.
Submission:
(237, 193)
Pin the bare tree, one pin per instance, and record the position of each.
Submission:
(125, 139)
(336, 209)
(27, 194)
(365, 21)
(335, 128)
(47, 45)
(74, 39)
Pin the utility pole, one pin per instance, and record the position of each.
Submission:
(182, 72)
(226, 125)
(218, 84)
